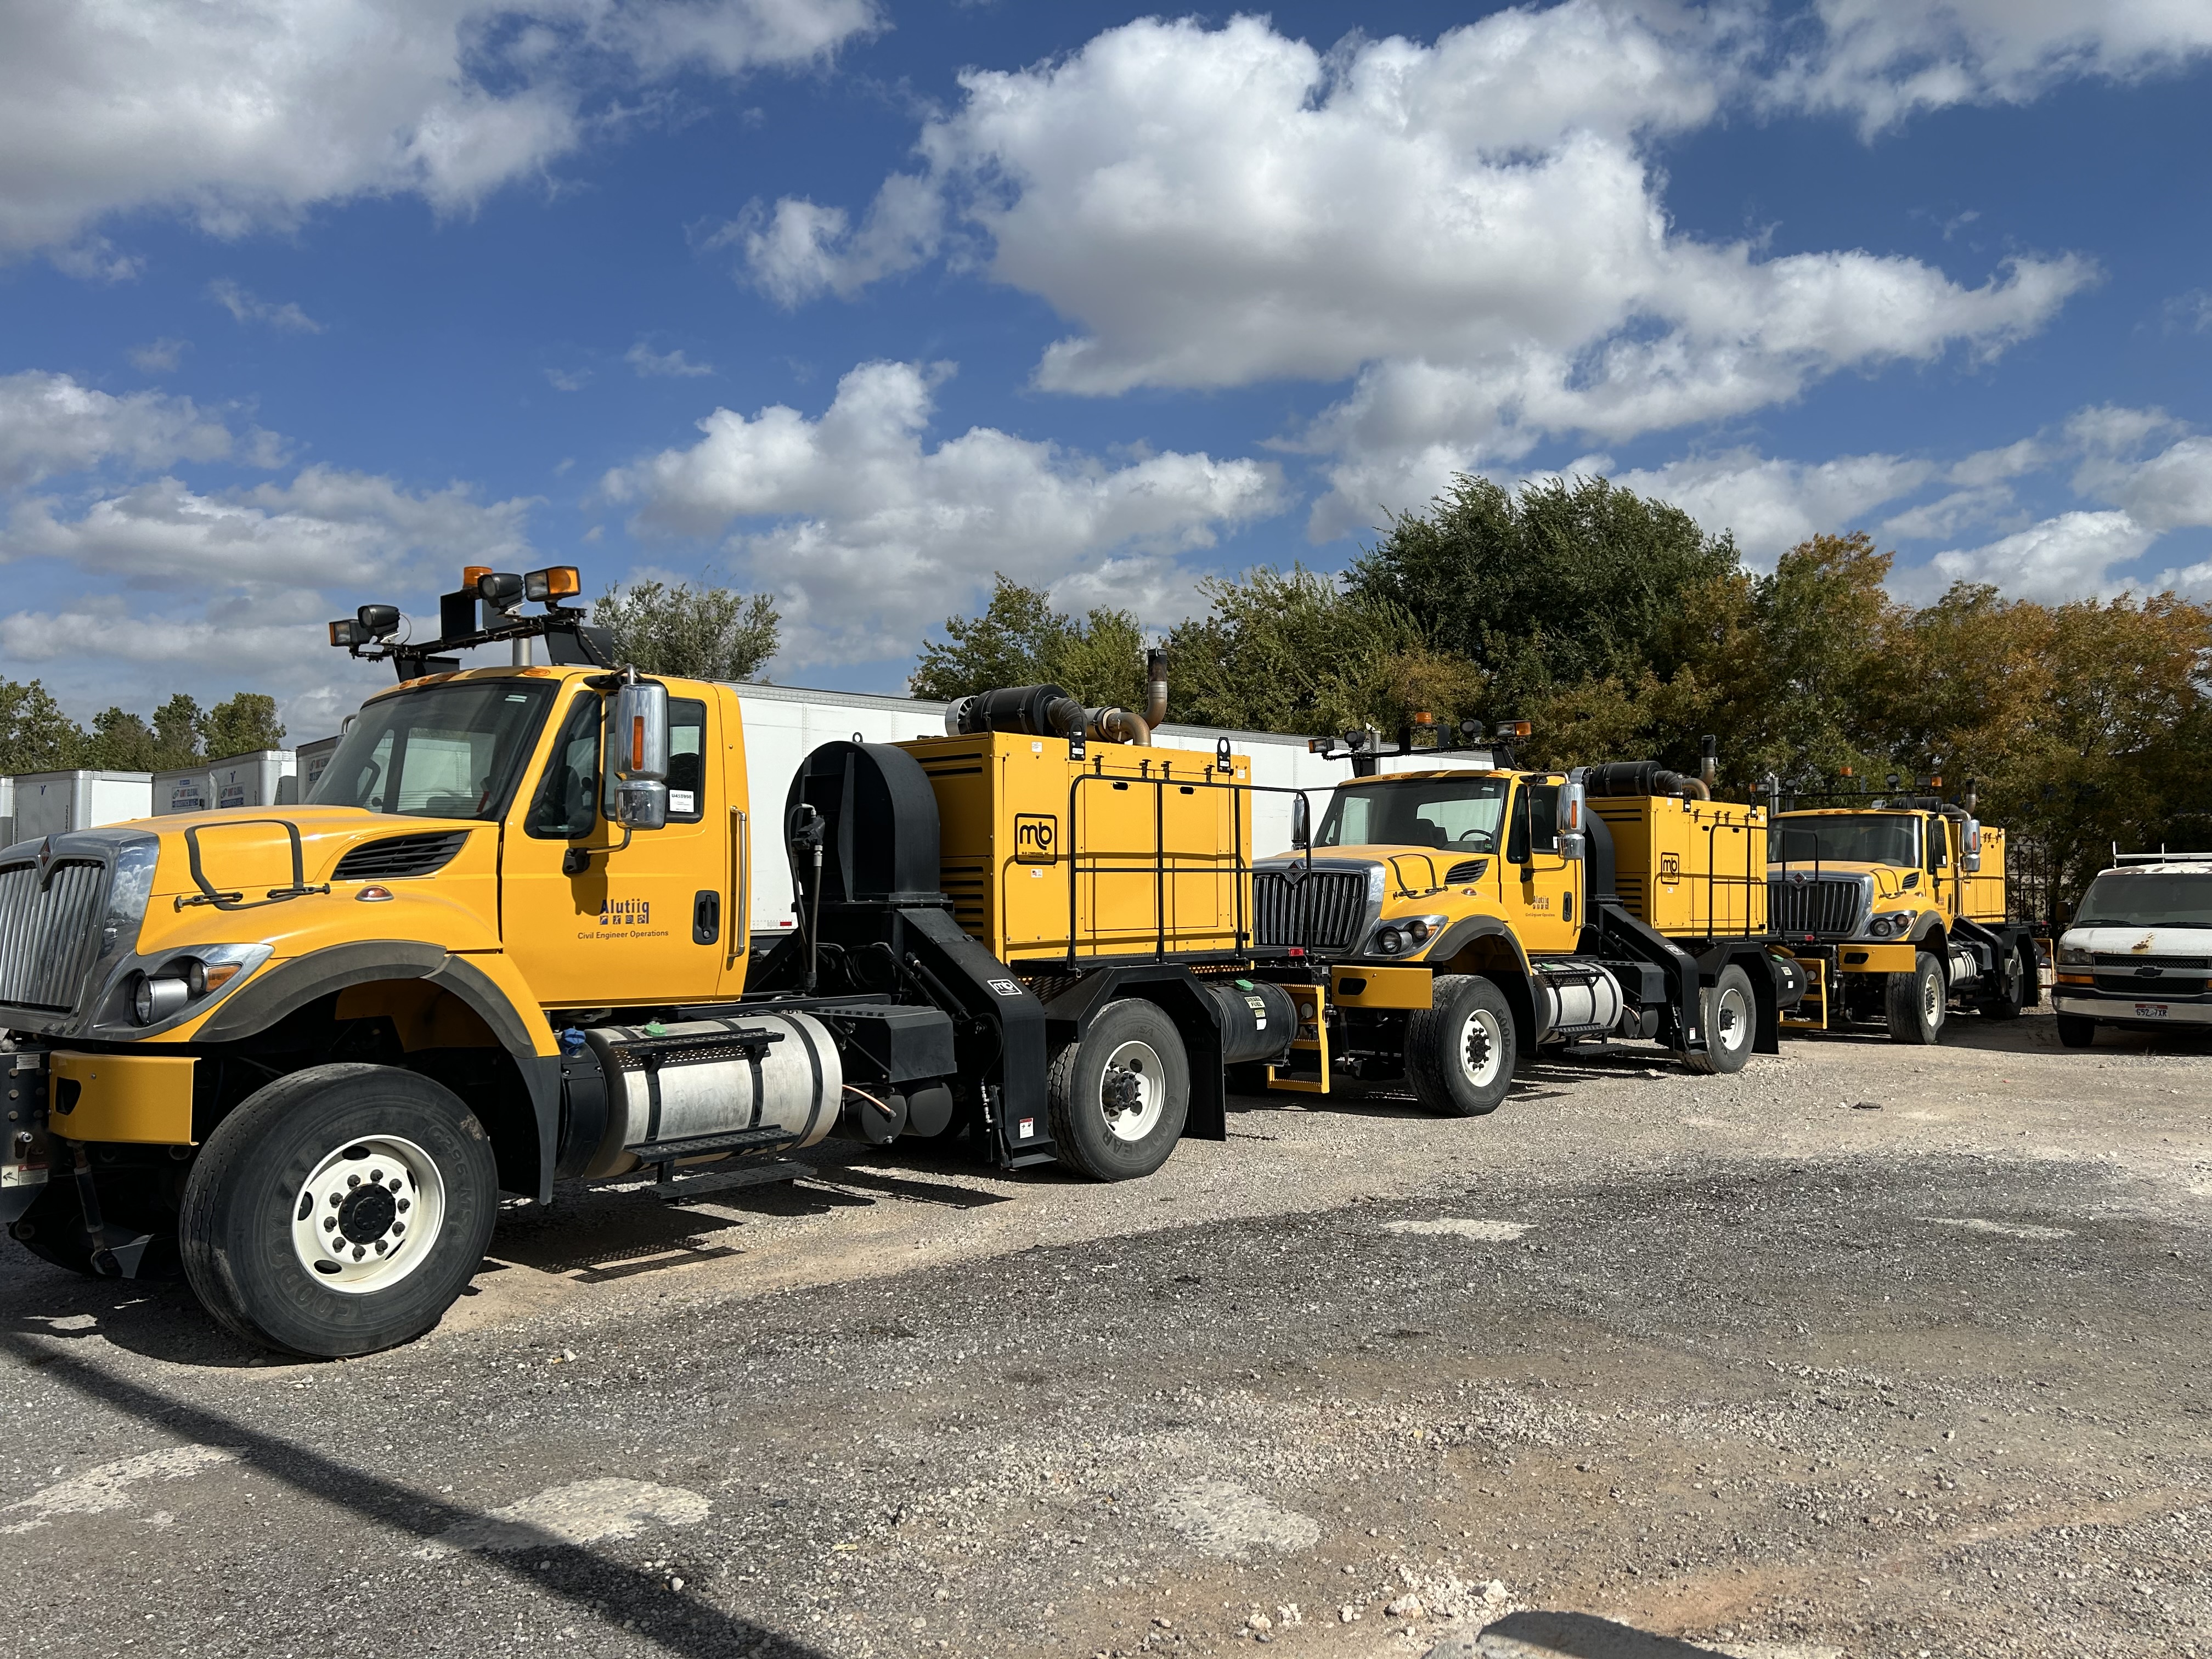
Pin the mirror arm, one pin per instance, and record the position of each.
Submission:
(577, 859)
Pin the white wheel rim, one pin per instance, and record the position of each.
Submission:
(1481, 1048)
(1932, 998)
(369, 1214)
(1133, 1090)
(1732, 1014)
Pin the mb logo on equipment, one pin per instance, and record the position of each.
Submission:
(1036, 838)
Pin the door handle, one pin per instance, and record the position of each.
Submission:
(705, 917)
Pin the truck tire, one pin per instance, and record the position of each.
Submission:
(1915, 1002)
(338, 1211)
(1731, 1017)
(1460, 1051)
(2014, 978)
(2077, 1030)
(1118, 1095)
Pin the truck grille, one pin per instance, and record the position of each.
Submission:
(1321, 911)
(1830, 905)
(2114, 959)
(49, 932)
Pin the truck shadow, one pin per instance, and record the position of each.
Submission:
(599, 1590)
(1536, 1635)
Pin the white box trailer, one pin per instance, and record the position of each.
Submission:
(785, 724)
(7, 812)
(55, 803)
(187, 790)
(309, 760)
(250, 780)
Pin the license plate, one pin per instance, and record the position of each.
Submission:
(2150, 1011)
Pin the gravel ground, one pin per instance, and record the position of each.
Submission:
(1867, 1351)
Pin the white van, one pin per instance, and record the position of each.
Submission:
(2139, 953)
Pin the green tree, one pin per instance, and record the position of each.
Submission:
(243, 724)
(1561, 584)
(121, 742)
(705, 632)
(178, 725)
(35, 735)
(1019, 638)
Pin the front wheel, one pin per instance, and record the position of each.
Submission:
(1119, 1095)
(1460, 1051)
(2076, 1031)
(338, 1211)
(1731, 1021)
(1914, 1002)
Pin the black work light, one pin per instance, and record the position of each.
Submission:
(378, 622)
(500, 589)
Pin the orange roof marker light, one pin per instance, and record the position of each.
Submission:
(473, 574)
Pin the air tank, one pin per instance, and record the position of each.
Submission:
(1258, 1019)
(711, 1077)
(1578, 998)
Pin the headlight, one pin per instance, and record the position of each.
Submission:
(154, 998)
(2075, 955)
(1404, 936)
(1889, 926)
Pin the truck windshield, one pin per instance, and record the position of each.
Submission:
(2122, 898)
(1875, 838)
(445, 752)
(1460, 813)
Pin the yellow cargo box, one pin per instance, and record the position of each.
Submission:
(1145, 849)
(1982, 895)
(1696, 869)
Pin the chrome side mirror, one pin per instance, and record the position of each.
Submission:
(1574, 842)
(1970, 852)
(1301, 824)
(636, 751)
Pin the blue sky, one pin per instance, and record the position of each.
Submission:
(859, 301)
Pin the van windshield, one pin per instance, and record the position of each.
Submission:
(2127, 898)
(1459, 813)
(1847, 838)
(445, 752)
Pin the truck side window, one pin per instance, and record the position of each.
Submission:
(1544, 817)
(687, 760)
(568, 800)
(1939, 843)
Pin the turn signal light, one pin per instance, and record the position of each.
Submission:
(558, 581)
(1515, 728)
(347, 631)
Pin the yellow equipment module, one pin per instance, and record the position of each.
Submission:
(1145, 849)
(1692, 869)
(1982, 895)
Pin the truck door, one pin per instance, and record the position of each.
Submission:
(1943, 867)
(593, 924)
(1545, 893)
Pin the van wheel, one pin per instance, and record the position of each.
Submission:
(340, 1210)
(1460, 1051)
(1730, 1015)
(1118, 1095)
(2012, 994)
(1914, 1002)
(2076, 1031)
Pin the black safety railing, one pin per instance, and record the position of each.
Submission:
(1750, 886)
(1160, 862)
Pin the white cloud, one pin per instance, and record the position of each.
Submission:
(565, 379)
(873, 533)
(1885, 61)
(158, 356)
(1473, 229)
(326, 528)
(51, 424)
(241, 112)
(2060, 558)
(647, 361)
(245, 306)
(1771, 505)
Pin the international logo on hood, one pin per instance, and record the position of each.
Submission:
(46, 860)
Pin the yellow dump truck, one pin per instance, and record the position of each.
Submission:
(1469, 911)
(1897, 908)
(298, 1055)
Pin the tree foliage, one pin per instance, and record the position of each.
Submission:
(1622, 630)
(705, 633)
(37, 735)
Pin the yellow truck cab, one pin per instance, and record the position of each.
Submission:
(1469, 911)
(1898, 908)
(298, 1055)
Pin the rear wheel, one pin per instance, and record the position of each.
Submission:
(1118, 1095)
(339, 1211)
(1914, 1002)
(1730, 1015)
(1460, 1051)
(2076, 1031)
(2011, 994)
